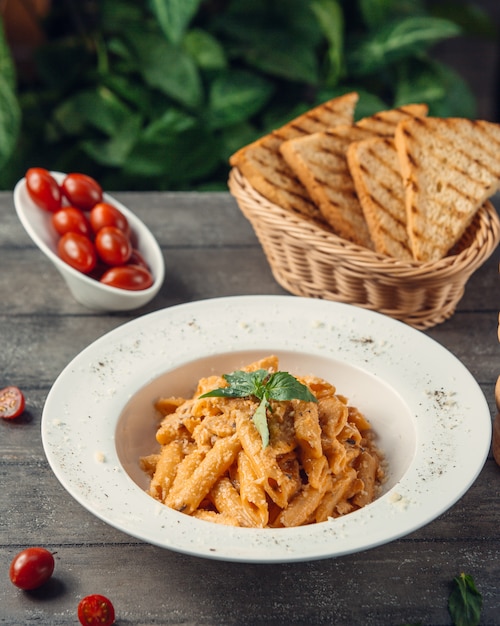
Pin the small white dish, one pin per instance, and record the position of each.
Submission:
(85, 290)
(431, 417)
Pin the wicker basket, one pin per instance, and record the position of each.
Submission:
(307, 260)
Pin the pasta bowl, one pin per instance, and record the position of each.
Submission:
(99, 418)
(84, 289)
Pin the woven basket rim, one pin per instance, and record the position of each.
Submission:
(309, 234)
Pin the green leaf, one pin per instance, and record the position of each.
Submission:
(174, 16)
(368, 104)
(443, 89)
(240, 385)
(205, 49)
(234, 137)
(169, 69)
(113, 152)
(235, 96)
(278, 54)
(418, 83)
(283, 386)
(10, 111)
(376, 12)
(402, 38)
(331, 19)
(99, 108)
(465, 602)
(10, 121)
(259, 418)
(172, 122)
(7, 69)
(174, 159)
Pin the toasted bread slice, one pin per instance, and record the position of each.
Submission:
(450, 166)
(320, 162)
(385, 122)
(262, 164)
(375, 170)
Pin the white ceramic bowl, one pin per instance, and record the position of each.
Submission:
(85, 290)
(429, 413)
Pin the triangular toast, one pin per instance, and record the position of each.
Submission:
(320, 162)
(450, 166)
(375, 169)
(262, 164)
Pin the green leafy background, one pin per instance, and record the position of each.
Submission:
(156, 95)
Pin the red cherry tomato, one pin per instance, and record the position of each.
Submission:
(12, 402)
(104, 214)
(136, 258)
(131, 277)
(113, 245)
(82, 191)
(71, 220)
(78, 251)
(96, 610)
(43, 189)
(31, 568)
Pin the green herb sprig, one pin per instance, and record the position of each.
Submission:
(264, 386)
(465, 602)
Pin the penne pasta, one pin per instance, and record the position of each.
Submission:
(320, 461)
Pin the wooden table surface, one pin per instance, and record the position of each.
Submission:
(210, 250)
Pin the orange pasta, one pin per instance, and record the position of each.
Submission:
(321, 461)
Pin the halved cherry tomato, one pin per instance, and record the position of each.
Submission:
(113, 245)
(131, 277)
(105, 214)
(96, 610)
(43, 189)
(78, 251)
(81, 191)
(71, 220)
(31, 568)
(12, 402)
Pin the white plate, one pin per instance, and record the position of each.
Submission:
(431, 416)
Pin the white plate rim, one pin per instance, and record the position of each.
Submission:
(108, 371)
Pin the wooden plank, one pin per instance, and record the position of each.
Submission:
(388, 585)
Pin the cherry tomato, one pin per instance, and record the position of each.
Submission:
(43, 189)
(104, 214)
(78, 251)
(71, 220)
(82, 191)
(31, 568)
(11, 402)
(136, 258)
(113, 245)
(96, 610)
(131, 277)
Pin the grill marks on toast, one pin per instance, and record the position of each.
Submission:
(382, 196)
(262, 164)
(402, 183)
(449, 168)
(320, 162)
(384, 123)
